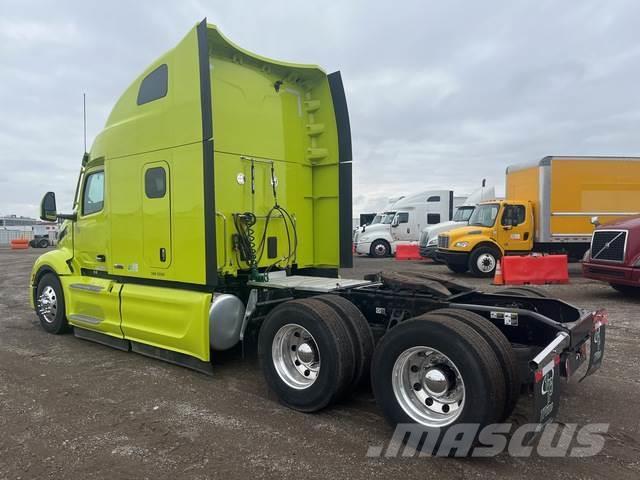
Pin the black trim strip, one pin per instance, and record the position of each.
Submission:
(152, 282)
(102, 338)
(344, 171)
(170, 356)
(450, 204)
(208, 171)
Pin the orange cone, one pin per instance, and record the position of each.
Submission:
(497, 279)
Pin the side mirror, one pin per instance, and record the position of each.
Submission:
(595, 221)
(395, 222)
(48, 210)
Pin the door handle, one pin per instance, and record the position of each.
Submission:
(100, 258)
(119, 266)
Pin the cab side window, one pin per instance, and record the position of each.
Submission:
(155, 182)
(93, 194)
(513, 215)
(403, 217)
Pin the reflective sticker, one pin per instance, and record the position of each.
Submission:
(510, 318)
(515, 236)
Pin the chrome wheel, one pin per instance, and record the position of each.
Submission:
(428, 386)
(379, 249)
(486, 263)
(48, 304)
(295, 356)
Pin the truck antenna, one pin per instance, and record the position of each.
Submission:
(84, 119)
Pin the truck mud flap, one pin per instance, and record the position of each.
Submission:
(546, 392)
(596, 350)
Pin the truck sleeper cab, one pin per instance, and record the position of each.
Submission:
(217, 203)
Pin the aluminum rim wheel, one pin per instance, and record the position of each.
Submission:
(486, 263)
(428, 386)
(380, 249)
(295, 356)
(48, 304)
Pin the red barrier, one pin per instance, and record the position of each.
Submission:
(19, 244)
(408, 251)
(535, 269)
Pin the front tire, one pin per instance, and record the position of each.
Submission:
(43, 243)
(306, 354)
(626, 290)
(380, 249)
(483, 261)
(50, 306)
(436, 372)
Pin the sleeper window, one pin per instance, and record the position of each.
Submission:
(154, 85)
(403, 217)
(155, 182)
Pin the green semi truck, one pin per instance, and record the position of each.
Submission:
(217, 201)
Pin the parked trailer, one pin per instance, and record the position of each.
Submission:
(179, 247)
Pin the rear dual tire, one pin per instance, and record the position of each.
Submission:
(501, 347)
(314, 351)
(443, 363)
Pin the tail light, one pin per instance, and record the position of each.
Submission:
(601, 317)
(541, 372)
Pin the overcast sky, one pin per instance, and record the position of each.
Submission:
(441, 93)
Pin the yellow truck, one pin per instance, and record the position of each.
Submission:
(548, 208)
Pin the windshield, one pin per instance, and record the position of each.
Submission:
(463, 214)
(376, 219)
(484, 215)
(387, 218)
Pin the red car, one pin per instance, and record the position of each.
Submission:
(614, 256)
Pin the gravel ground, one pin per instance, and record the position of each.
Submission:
(74, 409)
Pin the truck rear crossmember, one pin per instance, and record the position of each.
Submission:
(547, 349)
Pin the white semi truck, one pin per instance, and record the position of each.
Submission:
(404, 220)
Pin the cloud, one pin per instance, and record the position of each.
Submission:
(441, 94)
